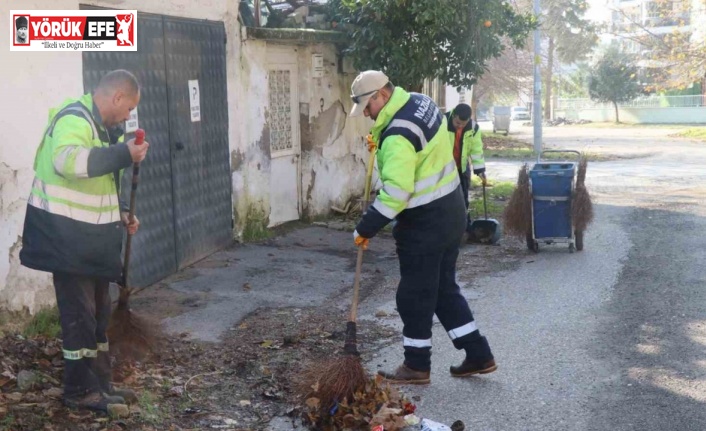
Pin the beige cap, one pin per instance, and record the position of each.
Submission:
(364, 87)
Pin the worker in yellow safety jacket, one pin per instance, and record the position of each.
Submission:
(421, 191)
(74, 228)
(465, 136)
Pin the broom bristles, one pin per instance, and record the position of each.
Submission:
(517, 215)
(132, 337)
(332, 380)
(581, 207)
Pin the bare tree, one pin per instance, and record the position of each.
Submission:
(506, 75)
(675, 59)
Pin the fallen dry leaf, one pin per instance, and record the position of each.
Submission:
(14, 397)
(313, 403)
(50, 352)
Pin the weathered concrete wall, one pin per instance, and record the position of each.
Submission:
(250, 147)
(28, 92)
(334, 151)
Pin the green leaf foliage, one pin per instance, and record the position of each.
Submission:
(613, 78)
(412, 40)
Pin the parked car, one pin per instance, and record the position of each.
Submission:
(520, 113)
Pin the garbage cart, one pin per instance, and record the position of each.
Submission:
(551, 190)
(501, 119)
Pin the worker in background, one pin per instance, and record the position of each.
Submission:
(421, 190)
(465, 136)
(73, 228)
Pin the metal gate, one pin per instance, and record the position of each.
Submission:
(184, 196)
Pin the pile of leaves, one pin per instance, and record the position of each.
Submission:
(561, 121)
(373, 405)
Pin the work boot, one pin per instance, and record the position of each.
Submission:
(405, 375)
(470, 367)
(93, 401)
(127, 394)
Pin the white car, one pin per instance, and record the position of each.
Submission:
(520, 113)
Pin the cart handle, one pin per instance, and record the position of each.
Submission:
(539, 157)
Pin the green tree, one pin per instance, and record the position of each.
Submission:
(613, 79)
(570, 38)
(414, 40)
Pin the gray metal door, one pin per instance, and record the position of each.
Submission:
(195, 50)
(184, 195)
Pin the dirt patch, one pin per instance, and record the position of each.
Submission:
(161, 302)
(240, 383)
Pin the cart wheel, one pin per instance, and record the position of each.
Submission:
(579, 240)
(572, 248)
(531, 243)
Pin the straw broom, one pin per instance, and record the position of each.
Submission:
(131, 336)
(581, 207)
(517, 215)
(335, 379)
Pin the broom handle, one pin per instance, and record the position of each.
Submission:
(139, 139)
(485, 204)
(359, 260)
(356, 285)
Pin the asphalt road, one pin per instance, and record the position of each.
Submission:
(611, 338)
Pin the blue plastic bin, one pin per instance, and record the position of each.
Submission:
(552, 185)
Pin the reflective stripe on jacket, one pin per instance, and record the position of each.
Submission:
(417, 171)
(73, 213)
(472, 144)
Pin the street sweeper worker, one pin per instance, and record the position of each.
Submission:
(421, 191)
(465, 137)
(73, 227)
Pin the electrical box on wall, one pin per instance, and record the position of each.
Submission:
(317, 66)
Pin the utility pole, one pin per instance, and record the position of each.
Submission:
(537, 103)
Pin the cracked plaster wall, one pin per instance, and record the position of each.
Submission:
(250, 150)
(334, 153)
